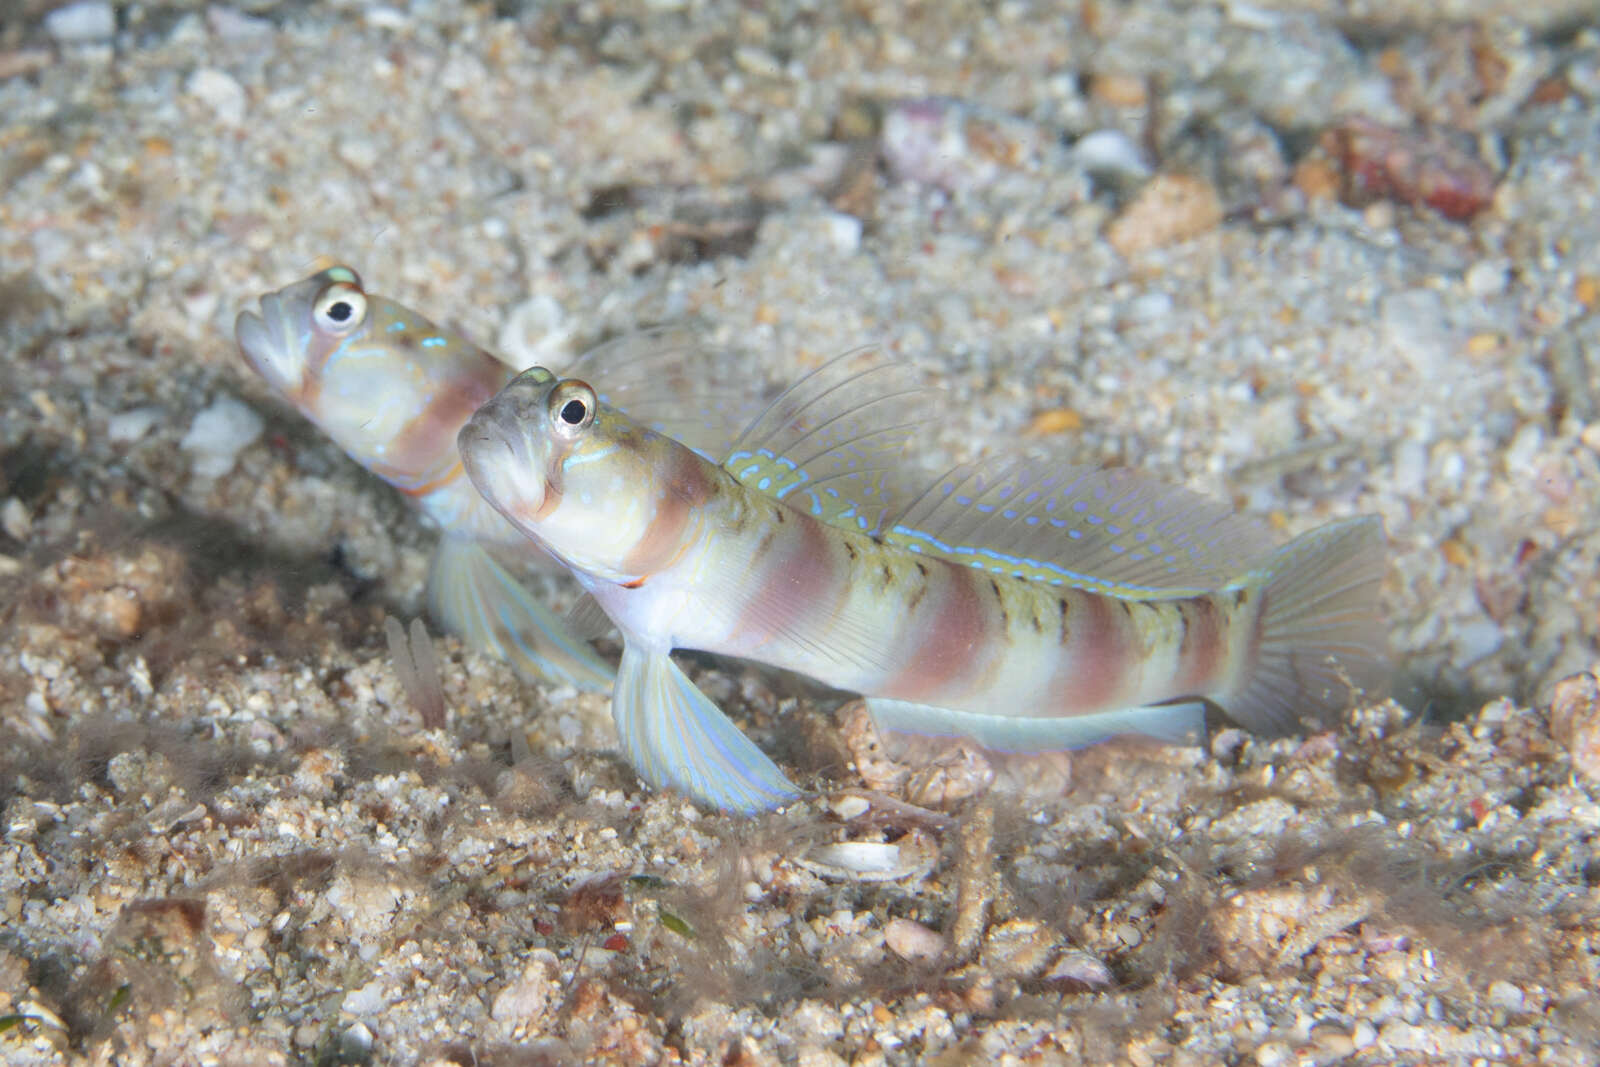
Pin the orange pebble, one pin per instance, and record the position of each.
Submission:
(1056, 420)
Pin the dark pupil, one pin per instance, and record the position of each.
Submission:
(340, 311)
(572, 412)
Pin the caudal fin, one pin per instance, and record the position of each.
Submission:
(1321, 634)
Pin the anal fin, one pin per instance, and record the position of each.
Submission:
(675, 737)
(1176, 723)
(477, 599)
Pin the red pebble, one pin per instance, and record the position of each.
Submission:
(615, 943)
(1420, 167)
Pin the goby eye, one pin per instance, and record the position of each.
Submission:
(340, 308)
(572, 406)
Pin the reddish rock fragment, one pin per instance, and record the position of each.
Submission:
(1575, 721)
(1169, 208)
(117, 597)
(597, 901)
(1420, 167)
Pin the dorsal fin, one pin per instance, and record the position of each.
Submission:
(671, 379)
(834, 443)
(1110, 530)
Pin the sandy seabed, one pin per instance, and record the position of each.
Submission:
(1320, 259)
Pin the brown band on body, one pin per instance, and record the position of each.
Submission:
(687, 488)
(798, 583)
(307, 392)
(1094, 653)
(430, 435)
(1202, 647)
(951, 629)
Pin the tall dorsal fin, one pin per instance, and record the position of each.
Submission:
(1107, 530)
(671, 379)
(834, 443)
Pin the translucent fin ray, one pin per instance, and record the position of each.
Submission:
(676, 738)
(834, 444)
(1110, 531)
(477, 599)
(587, 619)
(1321, 630)
(672, 380)
(1175, 723)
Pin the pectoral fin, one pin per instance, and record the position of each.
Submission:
(478, 600)
(676, 738)
(588, 619)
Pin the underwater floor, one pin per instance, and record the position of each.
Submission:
(1319, 260)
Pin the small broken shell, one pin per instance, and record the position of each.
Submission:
(850, 806)
(872, 861)
(1079, 967)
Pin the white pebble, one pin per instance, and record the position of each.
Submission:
(1148, 307)
(860, 857)
(925, 141)
(355, 1044)
(1076, 966)
(218, 434)
(85, 21)
(199, 303)
(1110, 152)
(130, 425)
(1477, 639)
(758, 62)
(1523, 448)
(850, 807)
(844, 231)
(1486, 277)
(384, 17)
(1272, 1054)
(366, 1000)
(1449, 469)
(359, 152)
(1502, 994)
(15, 520)
(1410, 468)
(525, 999)
(220, 91)
(912, 941)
